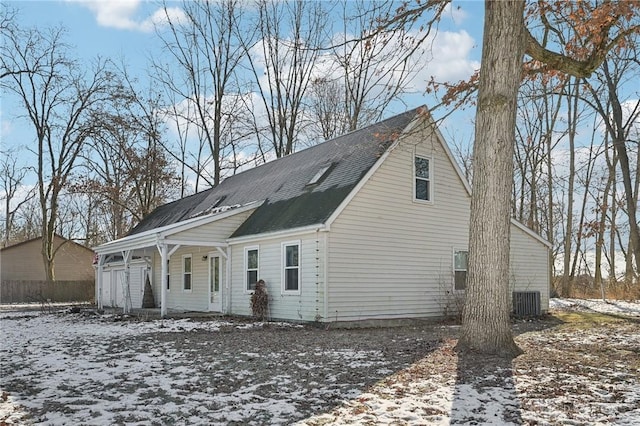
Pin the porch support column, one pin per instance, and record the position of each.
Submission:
(227, 282)
(100, 269)
(164, 256)
(126, 255)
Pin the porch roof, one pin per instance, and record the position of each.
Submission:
(164, 234)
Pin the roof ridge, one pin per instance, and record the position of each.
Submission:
(305, 150)
(284, 180)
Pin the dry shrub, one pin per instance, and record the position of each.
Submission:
(260, 301)
(585, 287)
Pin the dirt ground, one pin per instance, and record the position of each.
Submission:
(233, 371)
(245, 368)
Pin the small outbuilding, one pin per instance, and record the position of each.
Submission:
(23, 276)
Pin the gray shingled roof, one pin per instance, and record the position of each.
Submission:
(289, 202)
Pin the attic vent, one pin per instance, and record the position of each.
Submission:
(318, 176)
(526, 303)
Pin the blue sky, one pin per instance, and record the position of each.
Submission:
(123, 30)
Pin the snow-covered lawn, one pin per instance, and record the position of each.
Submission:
(583, 371)
(578, 367)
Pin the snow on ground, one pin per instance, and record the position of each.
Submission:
(612, 307)
(567, 375)
(65, 368)
(74, 369)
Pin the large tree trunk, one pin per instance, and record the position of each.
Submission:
(486, 323)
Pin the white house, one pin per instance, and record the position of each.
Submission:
(370, 225)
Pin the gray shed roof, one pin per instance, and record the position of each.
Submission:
(289, 200)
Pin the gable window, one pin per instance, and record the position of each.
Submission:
(186, 272)
(251, 262)
(291, 267)
(422, 169)
(460, 261)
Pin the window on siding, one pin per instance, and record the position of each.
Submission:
(422, 178)
(186, 272)
(251, 256)
(291, 265)
(460, 261)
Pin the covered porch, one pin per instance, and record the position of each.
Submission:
(203, 238)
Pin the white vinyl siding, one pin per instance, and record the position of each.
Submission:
(197, 299)
(390, 257)
(529, 265)
(305, 305)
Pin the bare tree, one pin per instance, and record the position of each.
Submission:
(128, 169)
(620, 124)
(12, 178)
(58, 98)
(205, 52)
(486, 326)
(364, 71)
(291, 34)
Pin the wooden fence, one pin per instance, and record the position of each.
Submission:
(46, 291)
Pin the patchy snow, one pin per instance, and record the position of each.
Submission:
(91, 369)
(587, 375)
(83, 368)
(612, 307)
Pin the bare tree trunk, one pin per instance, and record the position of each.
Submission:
(581, 221)
(486, 323)
(572, 114)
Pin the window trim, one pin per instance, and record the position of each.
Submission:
(283, 267)
(184, 274)
(429, 158)
(453, 258)
(245, 267)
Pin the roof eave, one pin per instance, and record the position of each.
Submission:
(151, 237)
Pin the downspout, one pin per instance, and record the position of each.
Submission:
(227, 282)
(326, 276)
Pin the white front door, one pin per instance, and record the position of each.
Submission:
(215, 282)
(118, 300)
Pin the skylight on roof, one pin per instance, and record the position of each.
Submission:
(318, 176)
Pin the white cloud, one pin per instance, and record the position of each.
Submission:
(161, 17)
(456, 13)
(5, 127)
(449, 58)
(122, 14)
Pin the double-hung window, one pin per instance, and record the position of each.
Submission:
(291, 267)
(251, 264)
(422, 172)
(460, 261)
(186, 272)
